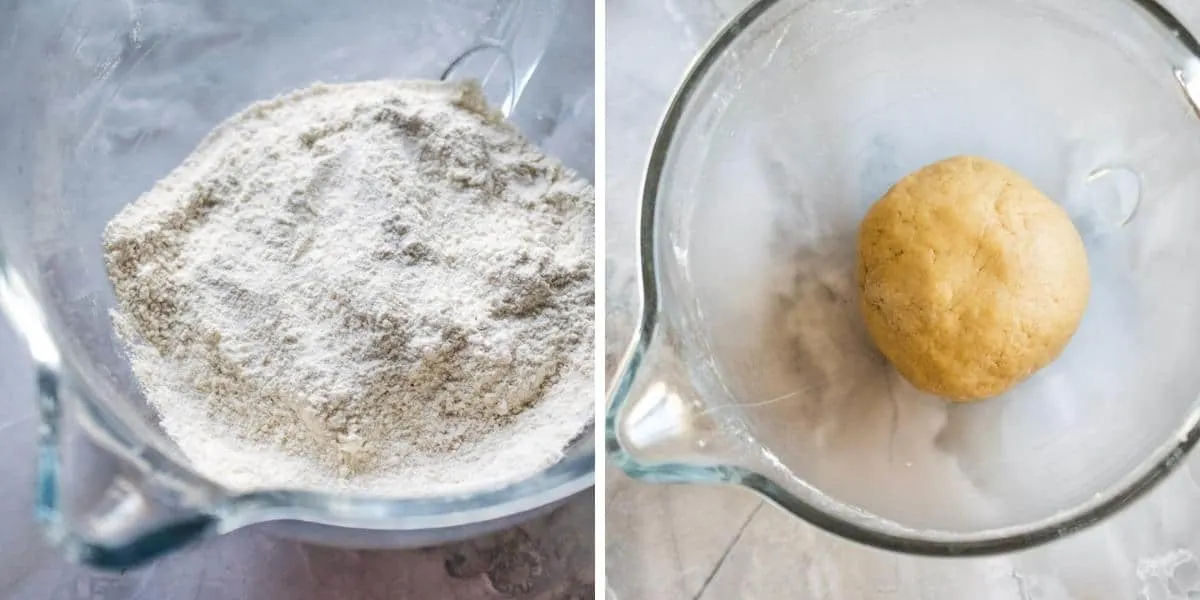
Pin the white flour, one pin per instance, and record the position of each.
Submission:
(374, 286)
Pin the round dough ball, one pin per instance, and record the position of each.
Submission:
(971, 278)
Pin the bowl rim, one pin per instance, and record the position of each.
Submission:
(1150, 472)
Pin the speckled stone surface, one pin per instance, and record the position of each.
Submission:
(709, 543)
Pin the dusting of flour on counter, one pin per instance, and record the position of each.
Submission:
(375, 286)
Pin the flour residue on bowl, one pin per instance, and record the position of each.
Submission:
(779, 307)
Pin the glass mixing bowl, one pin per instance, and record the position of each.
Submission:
(100, 99)
(751, 365)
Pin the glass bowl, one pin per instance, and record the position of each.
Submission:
(99, 100)
(751, 365)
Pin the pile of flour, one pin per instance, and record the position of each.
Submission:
(373, 286)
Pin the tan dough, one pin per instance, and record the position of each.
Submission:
(971, 278)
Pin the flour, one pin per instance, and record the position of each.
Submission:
(373, 286)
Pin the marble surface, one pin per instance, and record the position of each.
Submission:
(674, 542)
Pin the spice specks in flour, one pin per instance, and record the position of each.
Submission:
(372, 286)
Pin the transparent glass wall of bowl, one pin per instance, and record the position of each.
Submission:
(100, 99)
(753, 366)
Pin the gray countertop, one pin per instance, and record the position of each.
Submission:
(676, 542)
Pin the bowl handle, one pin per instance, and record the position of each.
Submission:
(508, 50)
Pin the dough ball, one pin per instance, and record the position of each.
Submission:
(971, 279)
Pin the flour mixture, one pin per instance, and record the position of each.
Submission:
(373, 286)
